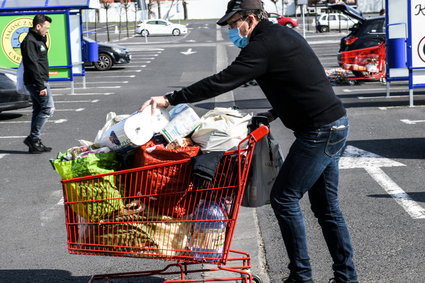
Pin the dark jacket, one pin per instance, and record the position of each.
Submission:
(287, 70)
(34, 57)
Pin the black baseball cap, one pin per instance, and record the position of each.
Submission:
(235, 6)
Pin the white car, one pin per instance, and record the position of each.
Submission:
(160, 27)
(335, 21)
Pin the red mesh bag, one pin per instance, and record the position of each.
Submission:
(168, 187)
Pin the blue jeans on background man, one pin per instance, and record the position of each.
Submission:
(43, 108)
(312, 166)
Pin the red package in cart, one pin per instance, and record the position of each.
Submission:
(165, 187)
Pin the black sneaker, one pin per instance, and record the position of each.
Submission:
(36, 146)
(336, 280)
(291, 279)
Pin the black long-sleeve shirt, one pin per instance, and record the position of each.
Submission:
(34, 57)
(287, 70)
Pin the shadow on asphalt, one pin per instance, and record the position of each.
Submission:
(416, 196)
(403, 148)
(57, 276)
(13, 152)
(9, 116)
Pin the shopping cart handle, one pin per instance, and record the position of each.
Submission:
(259, 133)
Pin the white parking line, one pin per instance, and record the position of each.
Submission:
(11, 137)
(78, 101)
(3, 155)
(126, 71)
(412, 122)
(58, 110)
(84, 93)
(59, 121)
(141, 66)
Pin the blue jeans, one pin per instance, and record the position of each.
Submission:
(42, 109)
(312, 166)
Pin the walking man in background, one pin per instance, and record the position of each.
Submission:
(36, 75)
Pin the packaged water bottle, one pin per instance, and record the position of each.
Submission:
(206, 239)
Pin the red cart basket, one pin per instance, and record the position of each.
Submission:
(132, 213)
(365, 63)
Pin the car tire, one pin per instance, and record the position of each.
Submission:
(144, 32)
(324, 28)
(289, 25)
(105, 62)
(176, 32)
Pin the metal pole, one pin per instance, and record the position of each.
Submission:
(388, 89)
(302, 8)
(411, 97)
(72, 87)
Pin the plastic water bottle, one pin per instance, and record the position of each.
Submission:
(206, 239)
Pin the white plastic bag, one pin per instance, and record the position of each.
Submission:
(111, 119)
(221, 129)
(20, 85)
(265, 167)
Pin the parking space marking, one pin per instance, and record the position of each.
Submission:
(12, 137)
(59, 121)
(77, 101)
(354, 157)
(412, 122)
(131, 76)
(126, 71)
(95, 87)
(3, 155)
(84, 93)
(141, 66)
(58, 110)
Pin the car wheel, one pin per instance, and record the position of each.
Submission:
(144, 33)
(104, 63)
(289, 25)
(176, 32)
(324, 28)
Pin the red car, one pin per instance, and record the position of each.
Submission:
(284, 21)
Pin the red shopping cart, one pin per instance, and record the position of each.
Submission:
(365, 63)
(131, 213)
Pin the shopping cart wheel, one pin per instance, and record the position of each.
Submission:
(256, 279)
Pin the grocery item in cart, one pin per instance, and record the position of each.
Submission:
(135, 130)
(141, 231)
(104, 193)
(207, 237)
(221, 129)
(183, 120)
(164, 184)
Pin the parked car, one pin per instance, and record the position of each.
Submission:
(109, 55)
(333, 21)
(284, 21)
(160, 27)
(366, 33)
(10, 99)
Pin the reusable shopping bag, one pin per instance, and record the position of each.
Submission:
(168, 184)
(221, 129)
(20, 85)
(91, 199)
(265, 166)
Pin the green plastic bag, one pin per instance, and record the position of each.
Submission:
(95, 198)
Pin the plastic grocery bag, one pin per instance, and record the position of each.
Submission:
(111, 119)
(221, 129)
(265, 166)
(96, 198)
(20, 85)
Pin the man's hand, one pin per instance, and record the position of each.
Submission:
(154, 102)
(43, 92)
